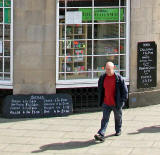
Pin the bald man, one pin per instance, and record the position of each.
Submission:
(112, 94)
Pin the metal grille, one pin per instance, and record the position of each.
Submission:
(84, 99)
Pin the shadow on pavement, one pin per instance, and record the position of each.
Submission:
(11, 120)
(68, 145)
(152, 129)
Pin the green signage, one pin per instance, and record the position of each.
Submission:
(1, 3)
(7, 3)
(7, 15)
(105, 14)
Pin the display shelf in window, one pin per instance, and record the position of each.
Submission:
(73, 48)
(79, 56)
(110, 50)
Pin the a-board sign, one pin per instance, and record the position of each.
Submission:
(146, 64)
(34, 106)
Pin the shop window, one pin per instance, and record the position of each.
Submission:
(91, 32)
(5, 41)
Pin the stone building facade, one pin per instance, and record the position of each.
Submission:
(144, 27)
(35, 44)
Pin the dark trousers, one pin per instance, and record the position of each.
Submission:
(105, 119)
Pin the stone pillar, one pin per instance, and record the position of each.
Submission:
(145, 26)
(34, 44)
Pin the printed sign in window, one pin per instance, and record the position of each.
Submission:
(74, 17)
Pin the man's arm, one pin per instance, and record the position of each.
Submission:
(124, 90)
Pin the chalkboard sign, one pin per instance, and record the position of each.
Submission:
(28, 106)
(147, 65)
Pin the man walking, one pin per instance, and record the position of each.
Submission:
(112, 94)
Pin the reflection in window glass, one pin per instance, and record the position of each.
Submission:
(7, 3)
(6, 64)
(6, 76)
(105, 31)
(105, 47)
(61, 3)
(1, 48)
(1, 64)
(122, 62)
(7, 15)
(122, 46)
(1, 76)
(6, 48)
(61, 15)
(1, 31)
(97, 74)
(62, 64)
(1, 3)
(61, 48)
(62, 76)
(123, 15)
(61, 32)
(78, 75)
(7, 32)
(123, 30)
(80, 3)
(123, 73)
(100, 61)
(1, 15)
(123, 2)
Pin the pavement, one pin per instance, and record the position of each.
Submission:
(73, 135)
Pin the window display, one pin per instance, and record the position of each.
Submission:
(5, 39)
(91, 32)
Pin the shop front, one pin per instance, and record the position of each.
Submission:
(62, 46)
(90, 33)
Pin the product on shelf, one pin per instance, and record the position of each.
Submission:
(79, 54)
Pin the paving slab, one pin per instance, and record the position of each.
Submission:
(73, 135)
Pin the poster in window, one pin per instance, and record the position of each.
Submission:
(73, 17)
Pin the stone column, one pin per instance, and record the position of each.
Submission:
(34, 43)
(145, 26)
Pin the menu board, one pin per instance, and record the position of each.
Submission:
(147, 65)
(28, 106)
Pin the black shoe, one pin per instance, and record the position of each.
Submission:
(99, 137)
(118, 133)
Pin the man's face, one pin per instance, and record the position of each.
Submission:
(109, 70)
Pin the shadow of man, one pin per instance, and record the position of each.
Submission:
(151, 129)
(68, 145)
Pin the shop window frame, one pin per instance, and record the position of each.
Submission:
(6, 80)
(64, 83)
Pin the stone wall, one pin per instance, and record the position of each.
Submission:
(145, 26)
(34, 30)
